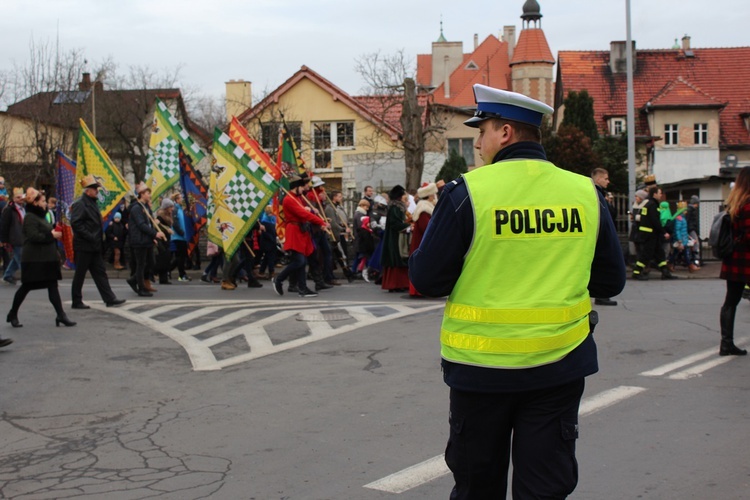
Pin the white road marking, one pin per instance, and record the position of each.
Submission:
(435, 467)
(411, 477)
(608, 398)
(689, 360)
(697, 370)
(258, 341)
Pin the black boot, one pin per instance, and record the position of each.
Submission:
(63, 318)
(726, 322)
(13, 320)
(667, 275)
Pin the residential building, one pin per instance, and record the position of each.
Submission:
(692, 110)
(120, 119)
(348, 141)
(449, 74)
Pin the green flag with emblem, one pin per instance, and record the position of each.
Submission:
(163, 160)
(238, 192)
(93, 160)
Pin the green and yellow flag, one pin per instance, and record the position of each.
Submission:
(238, 192)
(93, 160)
(163, 161)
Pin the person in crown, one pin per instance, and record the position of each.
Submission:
(516, 338)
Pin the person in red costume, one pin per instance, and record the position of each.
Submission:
(298, 217)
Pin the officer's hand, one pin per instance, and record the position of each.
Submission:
(161, 236)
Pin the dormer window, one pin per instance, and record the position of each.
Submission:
(472, 65)
(617, 126)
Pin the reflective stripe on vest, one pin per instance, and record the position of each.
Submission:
(531, 316)
(521, 299)
(646, 229)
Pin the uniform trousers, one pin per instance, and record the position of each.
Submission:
(538, 429)
(94, 262)
(650, 250)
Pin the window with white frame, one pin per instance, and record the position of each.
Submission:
(617, 126)
(269, 135)
(671, 135)
(464, 147)
(700, 134)
(328, 137)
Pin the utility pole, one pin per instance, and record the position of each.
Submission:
(631, 111)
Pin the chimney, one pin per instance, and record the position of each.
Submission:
(238, 97)
(476, 41)
(618, 60)
(447, 77)
(85, 83)
(509, 36)
(685, 43)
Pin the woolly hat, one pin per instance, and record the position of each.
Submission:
(694, 200)
(166, 203)
(427, 189)
(642, 194)
(396, 193)
(118, 216)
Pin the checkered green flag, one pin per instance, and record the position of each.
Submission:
(238, 192)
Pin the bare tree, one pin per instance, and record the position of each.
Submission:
(43, 92)
(208, 112)
(389, 80)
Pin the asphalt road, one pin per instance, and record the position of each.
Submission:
(203, 393)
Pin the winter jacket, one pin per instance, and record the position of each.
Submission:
(12, 225)
(141, 231)
(86, 221)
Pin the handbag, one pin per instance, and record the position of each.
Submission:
(404, 245)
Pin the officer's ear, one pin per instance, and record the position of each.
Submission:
(507, 134)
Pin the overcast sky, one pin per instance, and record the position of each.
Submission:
(266, 41)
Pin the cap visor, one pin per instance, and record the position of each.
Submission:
(474, 121)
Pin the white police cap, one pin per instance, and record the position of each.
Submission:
(496, 103)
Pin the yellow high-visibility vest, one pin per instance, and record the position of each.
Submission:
(522, 299)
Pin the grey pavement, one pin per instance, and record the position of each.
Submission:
(204, 393)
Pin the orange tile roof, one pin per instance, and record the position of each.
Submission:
(681, 93)
(493, 68)
(720, 74)
(532, 46)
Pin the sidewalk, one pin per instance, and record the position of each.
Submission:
(709, 270)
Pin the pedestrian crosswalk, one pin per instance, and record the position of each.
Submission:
(218, 334)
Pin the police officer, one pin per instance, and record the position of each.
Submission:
(650, 235)
(520, 245)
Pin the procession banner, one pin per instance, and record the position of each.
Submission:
(163, 160)
(66, 188)
(93, 160)
(195, 195)
(238, 192)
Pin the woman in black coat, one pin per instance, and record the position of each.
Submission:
(40, 267)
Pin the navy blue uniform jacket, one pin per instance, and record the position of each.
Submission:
(435, 266)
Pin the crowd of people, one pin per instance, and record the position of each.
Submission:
(320, 238)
